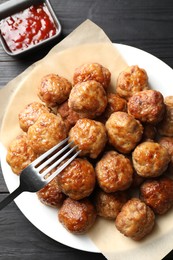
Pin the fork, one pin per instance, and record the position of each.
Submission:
(33, 179)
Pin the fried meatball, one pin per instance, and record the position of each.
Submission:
(150, 159)
(158, 194)
(51, 195)
(88, 98)
(77, 180)
(147, 106)
(20, 154)
(90, 137)
(114, 172)
(124, 131)
(77, 216)
(46, 132)
(68, 115)
(92, 71)
(108, 205)
(54, 89)
(167, 142)
(165, 127)
(115, 103)
(30, 114)
(135, 220)
(133, 79)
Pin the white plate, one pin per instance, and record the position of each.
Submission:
(45, 218)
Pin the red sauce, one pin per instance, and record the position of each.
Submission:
(27, 27)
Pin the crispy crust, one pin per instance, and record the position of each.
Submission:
(135, 220)
(77, 216)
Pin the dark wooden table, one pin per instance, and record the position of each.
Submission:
(147, 25)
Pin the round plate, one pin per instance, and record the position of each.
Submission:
(45, 218)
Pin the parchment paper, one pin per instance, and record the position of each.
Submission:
(88, 43)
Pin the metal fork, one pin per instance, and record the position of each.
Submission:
(32, 178)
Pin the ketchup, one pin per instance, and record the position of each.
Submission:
(27, 27)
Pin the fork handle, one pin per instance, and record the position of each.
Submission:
(10, 197)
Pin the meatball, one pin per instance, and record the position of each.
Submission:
(135, 220)
(124, 131)
(77, 180)
(68, 115)
(167, 142)
(46, 132)
(54, 89)
(90, 137)
(115, 103)
(77, 216)
(30, 114)
(108, 205)
(20, 154)
(133, 79)
(114, 172)
(147, 106)
(150, 159)
(158, 194)
(165, 127)
(51, 195)
(92, 71)
(89, 98)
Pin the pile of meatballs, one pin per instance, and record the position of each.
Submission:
(123, 171)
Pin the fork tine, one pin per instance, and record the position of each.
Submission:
(47, 153)
(53, 157)
(51, 167)
(53, 175)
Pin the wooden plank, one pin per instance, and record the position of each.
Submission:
(3, 187)
(9, 70)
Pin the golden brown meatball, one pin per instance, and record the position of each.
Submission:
(135, 220)
(68, 115)
(77, 216)
(20, 154)
(54, 89)
(150, 159)
(158, 194)
(124, 131)
(115, 103)
(165, 127)
(88, 98)
(90, 137)
(133, 79)
(46, 132)
(167, 142)
(77, 180)
(30, 114)
(114, 172)
(92, 71)
(51, 195)
(147, 106)
(108, 205)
